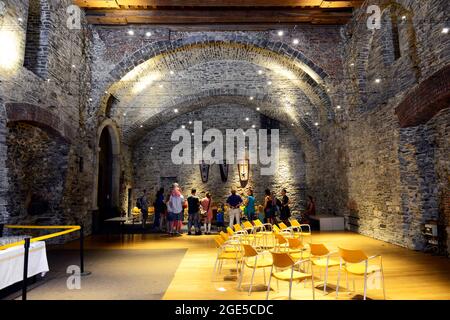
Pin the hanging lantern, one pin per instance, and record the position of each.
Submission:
(244, 171)
(204, 171)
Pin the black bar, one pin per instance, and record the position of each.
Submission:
(25, 267)
(1, 229)
(81, 249)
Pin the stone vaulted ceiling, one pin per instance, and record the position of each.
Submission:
(199, 75)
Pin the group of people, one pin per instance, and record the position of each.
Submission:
(169, 211)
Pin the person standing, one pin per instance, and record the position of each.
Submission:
(207, 209)
(193, 212)
(175, 208)
(159, 208)
(268, 211)
(250, 205)
(143, 205)
(234, 201)
(285, 210)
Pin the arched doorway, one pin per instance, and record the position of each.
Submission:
(105, 162)
(106, 197)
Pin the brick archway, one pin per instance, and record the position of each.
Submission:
(426, 100)
(313, 79)
(29, 113)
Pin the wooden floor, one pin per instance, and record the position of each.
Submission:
(408, 274)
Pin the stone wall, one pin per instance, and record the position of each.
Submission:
(152, 159)
(45, 86)
(396, 178)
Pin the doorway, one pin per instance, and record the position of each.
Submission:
(105, 167)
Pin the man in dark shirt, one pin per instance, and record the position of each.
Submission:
(193, 212)
(234, 201)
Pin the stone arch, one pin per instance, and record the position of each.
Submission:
(426, 100)
(38, 116)
(114, 135)
(198, 102)
(314, 77)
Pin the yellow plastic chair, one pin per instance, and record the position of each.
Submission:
(283, 226)
(283, 261)
(320, 257)
(250, 228)
(297, 250)
(226, 252)
(265, 229)
(356, 263)
(254, 260)
(302, 230)
(282, 245)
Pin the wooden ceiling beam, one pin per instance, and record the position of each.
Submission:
(299, 16)
(121, 4)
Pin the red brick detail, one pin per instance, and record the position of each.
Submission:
(430, 97)
(24, 112)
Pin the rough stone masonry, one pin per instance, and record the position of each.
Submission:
(336, 95)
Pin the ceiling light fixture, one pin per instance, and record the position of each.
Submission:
(295, 41)
(175, 110)
(445, 30)
(316, 124)
(257, 109)
(251, 98)
(131, 32)
(269, 83)
(260, 72)
(377, 80)
(280, 33)
(148, 34)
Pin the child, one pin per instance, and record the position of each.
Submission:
(260, 213)
(220, 218)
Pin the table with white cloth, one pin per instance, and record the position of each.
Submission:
(12, 259)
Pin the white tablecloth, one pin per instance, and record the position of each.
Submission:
(11, 263)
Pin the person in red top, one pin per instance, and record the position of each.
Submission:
(310, 210)
(207, 211)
